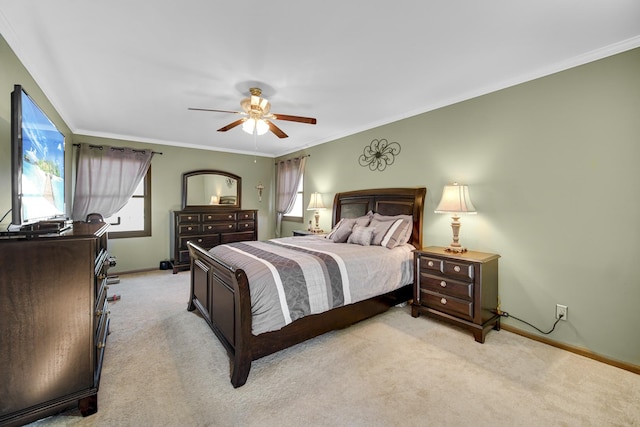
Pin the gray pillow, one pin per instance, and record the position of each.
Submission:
(342, 230)
(361, 235)
(400, 234)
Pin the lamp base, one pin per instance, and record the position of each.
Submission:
(317, 230)
(455, 249)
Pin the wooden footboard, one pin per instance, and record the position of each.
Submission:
(221, 294)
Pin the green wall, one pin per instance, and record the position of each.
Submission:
(552, 167)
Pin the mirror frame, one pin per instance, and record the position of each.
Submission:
(187, 175)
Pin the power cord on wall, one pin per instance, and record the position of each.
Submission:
(505, 314)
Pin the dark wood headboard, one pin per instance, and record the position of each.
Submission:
(385, 201)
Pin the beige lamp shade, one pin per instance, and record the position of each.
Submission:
(455, 200)
(315, 204)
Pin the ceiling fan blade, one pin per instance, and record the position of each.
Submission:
(216, 111)
(275, 129)
(231, 125)
(308, 120)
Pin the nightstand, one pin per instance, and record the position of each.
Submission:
(306, 233)
(458, 288)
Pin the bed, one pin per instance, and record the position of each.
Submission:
(222, 280)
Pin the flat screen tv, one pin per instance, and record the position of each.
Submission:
(37, 158)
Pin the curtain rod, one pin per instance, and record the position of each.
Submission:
(118, 148)
(306, 155)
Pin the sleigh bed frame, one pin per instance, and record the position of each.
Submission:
(220, 292)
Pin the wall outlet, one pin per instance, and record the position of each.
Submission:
(562, 310)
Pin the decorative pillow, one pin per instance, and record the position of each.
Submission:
(389, 230)
(361, 235)
(363, 221)
(395, 234)
(342, 230)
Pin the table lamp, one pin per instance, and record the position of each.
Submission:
(455, 200)
(315, 204)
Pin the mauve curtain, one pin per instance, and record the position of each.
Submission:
(289, 173)
(106, 178)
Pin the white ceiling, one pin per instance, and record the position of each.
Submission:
(129, 69)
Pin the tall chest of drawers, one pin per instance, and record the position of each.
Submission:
(208, 229)
(54, 321)
(459, 288)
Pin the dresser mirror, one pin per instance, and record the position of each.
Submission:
(213, 189)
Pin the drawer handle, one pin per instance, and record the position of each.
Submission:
(430, 263)
(443, 301)
(230, 216)
(209, 227)
(246, 225)
(189, 217)
(456, 269)
(208, 216)
(443, 284)
(230, 226)
(199, 240)
(189, 228)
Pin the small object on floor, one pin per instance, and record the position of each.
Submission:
(115, 297)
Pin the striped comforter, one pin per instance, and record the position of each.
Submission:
(292, 277)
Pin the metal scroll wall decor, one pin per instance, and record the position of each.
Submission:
(379, 154)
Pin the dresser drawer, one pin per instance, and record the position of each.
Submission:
(458, 269)
(219, 227)
(446, 286)
(246, 215)
(448, 304)
(189, 229)
(226, 216)
(188, 218)
(206, 241)
(246, 225)
(184, 257)
(236, 237)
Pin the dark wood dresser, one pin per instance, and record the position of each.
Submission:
(208, 229)
(460, 288)
(54, 321)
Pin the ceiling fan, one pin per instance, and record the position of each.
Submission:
(256, 110)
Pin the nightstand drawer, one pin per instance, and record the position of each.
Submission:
(446, 286)
(457, 268)
(448, 304)
(432, 264)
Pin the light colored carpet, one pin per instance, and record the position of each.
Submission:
(164, 367)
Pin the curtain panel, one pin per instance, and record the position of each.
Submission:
(106, 178)
(289, 173)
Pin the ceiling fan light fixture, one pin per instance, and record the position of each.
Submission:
(259, 126)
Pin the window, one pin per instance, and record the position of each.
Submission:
(296, 213)
(134, 219)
